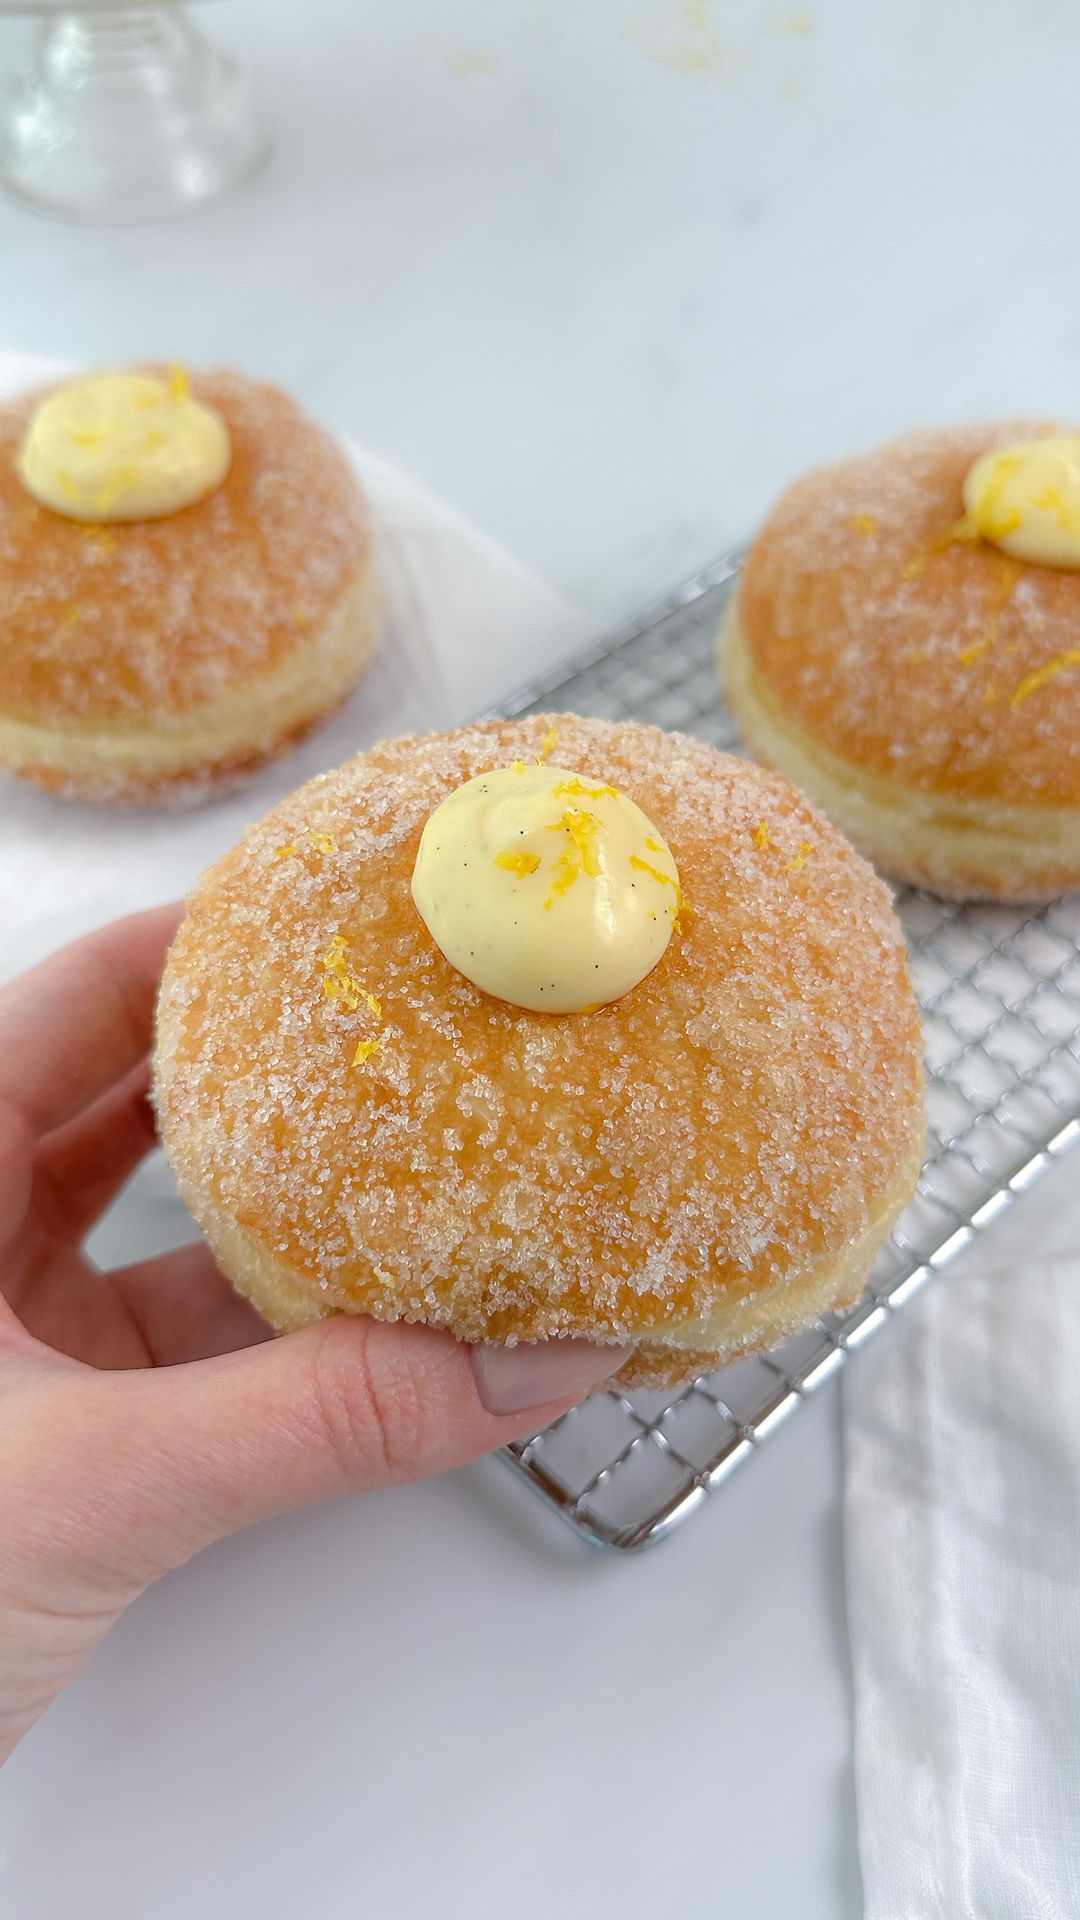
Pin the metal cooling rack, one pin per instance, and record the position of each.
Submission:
(999, 989)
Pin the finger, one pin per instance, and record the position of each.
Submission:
(182, 1456)
(80, 1168)
(16, 1174)
(185, 1308)
(72, 1026)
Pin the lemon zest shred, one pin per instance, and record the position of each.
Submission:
(579, 790)
(683, 911)
(344, 990)
(364, 1051)
(1053, 501)
(340, 983)
(324, 843)
(1032, 681)
(1010, 574)
(583, 828)
(806, 848)
(962, 532)
(642, 866)
(122, 479)
(520, 864)
(583, 858)
(566, 873)
(990, 519)
(864, 523)
(762, 835)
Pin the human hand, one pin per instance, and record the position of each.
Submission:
(146, 1412)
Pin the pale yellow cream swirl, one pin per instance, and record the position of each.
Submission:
(546, 888)
(1026, 499)
(123, 446)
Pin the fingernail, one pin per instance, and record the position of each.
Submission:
(512, 1379)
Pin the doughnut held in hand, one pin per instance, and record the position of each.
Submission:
(187, 581)
(905, 644)
(699, 1166)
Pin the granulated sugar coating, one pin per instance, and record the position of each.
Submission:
(699, 1167)
(156, 660)
(938, 661)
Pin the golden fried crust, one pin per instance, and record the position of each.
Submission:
(104, 627)
(748, 1115)
(906, 654)
(178, 758)
(190, 780)
(832, 1284)
(967, 849)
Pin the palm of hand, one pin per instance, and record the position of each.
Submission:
(75, 1121)
(118, 1457)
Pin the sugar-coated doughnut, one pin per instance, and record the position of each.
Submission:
(158, 659)
(700, 1167)
(921, 684)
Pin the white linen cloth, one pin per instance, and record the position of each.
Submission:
(464, 623)
(962, 1550)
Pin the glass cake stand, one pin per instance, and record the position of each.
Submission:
(124, 115)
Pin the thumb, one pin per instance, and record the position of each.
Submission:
(185, 1454)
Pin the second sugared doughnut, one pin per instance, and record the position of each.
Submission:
(187, 582)
(905, 644)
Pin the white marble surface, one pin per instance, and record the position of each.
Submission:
(603, 304)
(603, 277)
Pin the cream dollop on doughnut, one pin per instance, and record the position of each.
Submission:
(546, 889)
(123, 446)
(1026, 499)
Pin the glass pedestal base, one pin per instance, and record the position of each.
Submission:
(127, 115)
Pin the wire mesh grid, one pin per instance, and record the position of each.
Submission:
(999, 989)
